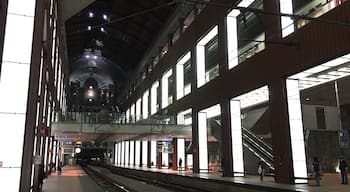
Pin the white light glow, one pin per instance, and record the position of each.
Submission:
(181, 151)
(127, 153)
(165, 155)
(102, 29)
(181, 120)
(132, 113)
(296, 130)
(286, 6)
(77, 150)
(202, 142)
(232, 40)
(236, 139)
(137, 153)
(245, 3)
(132, 153)
(120, 154)
(138, 109)
(153, 153)
(200, 48)
(15, 23)
(154, 97)
(89, 28)
(209, 36)
(212, 111)
(95, 57)
(254, 97)
(91, 14)
(123, 153)
(21, 7)
(116, 154)
(328, 71)
(91, 93)
(180, 75)
(14, 82)
(165, 88)
(127, 116)
(145, 105)
(87, 56)
(105, 17)
(144, 153)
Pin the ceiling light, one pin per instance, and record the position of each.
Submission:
(105, 17)
(77, 150)
(91, 14)
(102, 29)
(307, 99)
(89, 27)
(95, 57)
(90, 87)
(87, 56)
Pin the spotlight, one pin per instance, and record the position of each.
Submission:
(87, 56)
(95, 57)
(91, 14)
(77, 150)
(102, 29)
(89, 28)
(105, 17)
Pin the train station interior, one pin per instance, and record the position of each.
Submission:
(174, 95)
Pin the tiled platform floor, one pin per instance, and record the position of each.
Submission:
(72, 179)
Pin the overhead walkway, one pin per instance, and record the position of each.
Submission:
(116, 125)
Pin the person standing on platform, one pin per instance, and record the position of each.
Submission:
(261, 170)
(180, 163)
(316, 171)
(343, 167)
(59, 168)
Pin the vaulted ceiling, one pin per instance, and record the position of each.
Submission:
(107, 39)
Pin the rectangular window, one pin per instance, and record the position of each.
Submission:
(320, 118)
(207, 66)
(183, 75)
(211, 59)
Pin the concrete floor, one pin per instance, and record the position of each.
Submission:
(73, 178)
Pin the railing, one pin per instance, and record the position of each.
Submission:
(257, 146)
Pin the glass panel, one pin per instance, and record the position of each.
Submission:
(21, 7)
(14, 24)
(250, 32)
(315, 8)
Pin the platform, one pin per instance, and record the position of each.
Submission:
(73, 178)
(329, 181)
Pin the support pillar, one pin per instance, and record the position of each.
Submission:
(226, 139)
(175, 154)
(272, 23)
(281, 140)
(195, 146)
(149, 152)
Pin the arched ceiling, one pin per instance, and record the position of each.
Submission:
(109, 48)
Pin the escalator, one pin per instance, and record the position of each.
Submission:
(256, 146)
